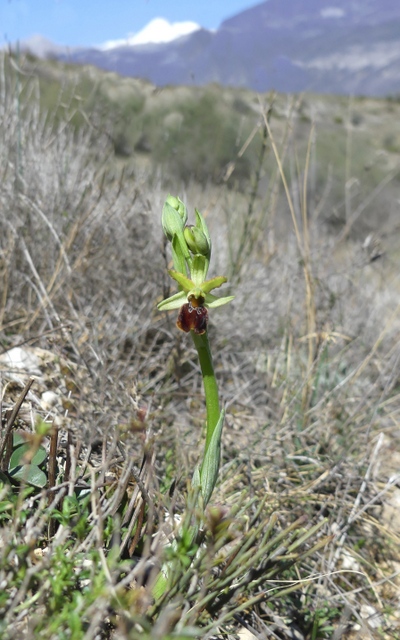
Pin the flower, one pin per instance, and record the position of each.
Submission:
(191, 252)
(197, 293)
(193, 301)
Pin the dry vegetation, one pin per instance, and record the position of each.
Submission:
(305, 540)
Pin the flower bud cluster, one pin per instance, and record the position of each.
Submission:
(187, 240)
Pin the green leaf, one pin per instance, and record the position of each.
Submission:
(196, 481)
(18, 439)
(209, 468)
(29, 473)
(20, 456)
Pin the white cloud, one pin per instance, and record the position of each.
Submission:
(157, 31)
(332, 12)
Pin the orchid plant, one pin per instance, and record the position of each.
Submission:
(191, 253)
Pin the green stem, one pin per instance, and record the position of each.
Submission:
(210, 384)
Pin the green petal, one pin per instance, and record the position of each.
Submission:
(182, 280)
(214, 283)
(212, 301)
(173, 302)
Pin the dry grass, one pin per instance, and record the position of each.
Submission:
(307, 358)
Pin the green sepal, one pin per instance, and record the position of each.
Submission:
(213, 301)
(173, 302)
(210, 466)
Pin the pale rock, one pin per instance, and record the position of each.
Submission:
(49, 400)
(371, 615)
(21, 360)
(349, 563)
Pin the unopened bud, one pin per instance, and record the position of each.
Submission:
(179, 206)
(174, 217)
(197, 241)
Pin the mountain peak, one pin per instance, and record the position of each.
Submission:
(157, 31)
(323, 46)
(42, 47)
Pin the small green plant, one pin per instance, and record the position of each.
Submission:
(22, 455)
(191, 252)
(81, 551)
(26, 460)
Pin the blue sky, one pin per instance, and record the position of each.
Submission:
(91, 22)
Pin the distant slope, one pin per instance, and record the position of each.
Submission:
(326, 46)
(211, 135)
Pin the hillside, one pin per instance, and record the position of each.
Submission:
(123, 515)
(356, 142)
(337, 48)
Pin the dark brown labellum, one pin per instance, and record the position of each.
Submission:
(192, 319)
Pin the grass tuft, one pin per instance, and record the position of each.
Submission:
(102, 398)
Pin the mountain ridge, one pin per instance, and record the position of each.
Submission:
(325, 46)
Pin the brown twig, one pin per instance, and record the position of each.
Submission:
(52, 467)
(14, 413)
(138, 531)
